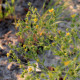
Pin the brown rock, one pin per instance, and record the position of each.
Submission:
(12, 66)
(50, 68)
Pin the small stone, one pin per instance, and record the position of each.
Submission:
(13, 66)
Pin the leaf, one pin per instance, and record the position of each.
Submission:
(12, 1)
(57, 22)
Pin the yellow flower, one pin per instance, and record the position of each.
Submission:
(35, 20)
(24, 46)
(37, 60)
(67, 63)
(51, 10)
(37, 26)
(8, 54)
(17, 25)
(53, 43)
(35, 9)
(30, 69)
(41, 34)
(27, 27)
(26, 49)
(73, 15)
(67, 34)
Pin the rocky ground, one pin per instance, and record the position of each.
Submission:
(11, 71)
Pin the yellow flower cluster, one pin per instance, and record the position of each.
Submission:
(51, 10)
(35, 20)
(30, 69)
(67, 63)
(8, 54)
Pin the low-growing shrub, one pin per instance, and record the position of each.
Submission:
(41, 32)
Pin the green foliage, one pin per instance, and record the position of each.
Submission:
(9, 9)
